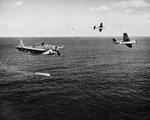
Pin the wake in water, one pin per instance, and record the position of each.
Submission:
(32, 73)
(14, 70)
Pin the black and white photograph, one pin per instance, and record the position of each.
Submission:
(74, 60)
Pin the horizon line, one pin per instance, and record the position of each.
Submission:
(78, 36)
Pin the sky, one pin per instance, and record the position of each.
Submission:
(46, 18)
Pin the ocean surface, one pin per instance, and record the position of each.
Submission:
(93, 79)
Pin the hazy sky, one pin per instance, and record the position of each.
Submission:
(73, 17)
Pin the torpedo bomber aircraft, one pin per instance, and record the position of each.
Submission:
(45, 49)
(126, 41)
(100, 27)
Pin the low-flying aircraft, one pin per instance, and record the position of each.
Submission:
(100, 28)
(45, 49)
(126, 41)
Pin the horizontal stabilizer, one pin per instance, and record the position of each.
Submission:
(115, 41)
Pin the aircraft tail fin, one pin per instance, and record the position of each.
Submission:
(21, 43)
(125, 37)
(136, 41)
(94, 27)
(101, 25)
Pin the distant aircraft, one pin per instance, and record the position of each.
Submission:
(100, 28)
(45, 49)
(126, 41)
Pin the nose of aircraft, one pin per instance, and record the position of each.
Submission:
(58, 52)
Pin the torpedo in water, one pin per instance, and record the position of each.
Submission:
(44, 74)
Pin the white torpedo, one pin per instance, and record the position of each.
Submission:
(44, 74)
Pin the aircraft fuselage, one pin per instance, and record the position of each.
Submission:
(38, 49)
(129, 42)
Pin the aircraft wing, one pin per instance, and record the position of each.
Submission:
(31, 50)
(101, 25)
(129, 45)
(59, 47)
(100, 30)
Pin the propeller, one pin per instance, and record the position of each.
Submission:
(58, 53)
